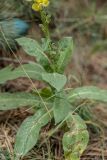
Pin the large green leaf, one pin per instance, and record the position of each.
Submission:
(15, 100)
(88, 92)
(28, 133)
(31, 70)
(61, 107)
(65, 49)
(33, 48)
(76, 139)
(55, 80)
(5, 74)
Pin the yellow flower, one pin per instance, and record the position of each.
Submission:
(39, 4)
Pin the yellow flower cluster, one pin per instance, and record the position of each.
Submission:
(39, 4)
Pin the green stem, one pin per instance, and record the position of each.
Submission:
(45, 24)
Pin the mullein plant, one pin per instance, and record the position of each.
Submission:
(54, 101)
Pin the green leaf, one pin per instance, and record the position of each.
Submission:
(61, 108)
(31, 70)
(88, 92)
(45, 44)
(15, 100)
(65, 49)
(55, 80)
(75, 141)
(5, 74)
(28, 133)
(33, 48)
(46, 92)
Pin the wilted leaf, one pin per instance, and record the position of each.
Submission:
(76, 139)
